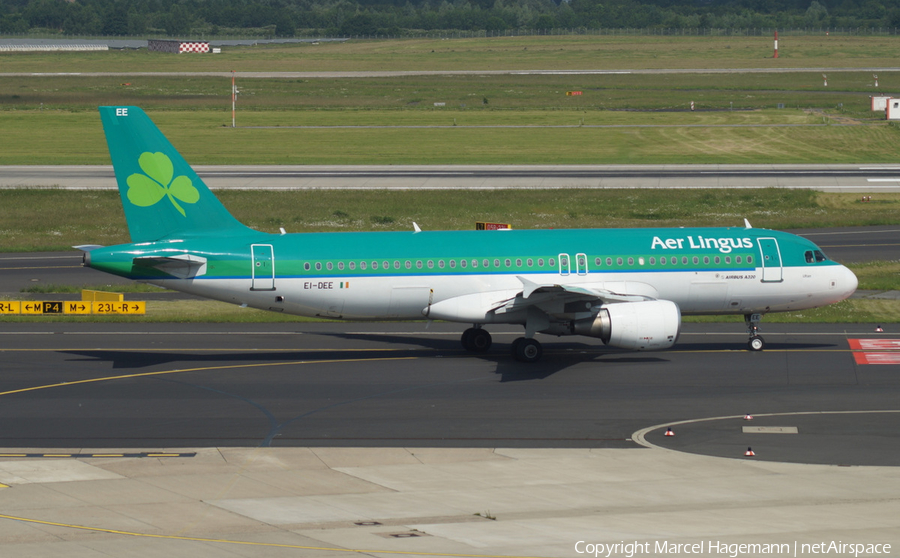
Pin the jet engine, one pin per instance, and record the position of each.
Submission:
(643, 326)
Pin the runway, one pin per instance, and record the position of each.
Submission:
(401, 385)
(869, 179)
(406, 73)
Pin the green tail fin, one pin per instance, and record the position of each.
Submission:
(161, 194)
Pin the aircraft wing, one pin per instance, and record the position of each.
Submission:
(183, 266)
(530, 288)
(549, 300)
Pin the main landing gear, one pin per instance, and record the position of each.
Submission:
(756, 342)
(478, 340)
(526, 349)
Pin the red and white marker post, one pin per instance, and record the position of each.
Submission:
(776, 44)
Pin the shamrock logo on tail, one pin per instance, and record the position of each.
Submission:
(149, 188)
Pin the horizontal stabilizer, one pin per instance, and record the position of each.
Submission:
(184, 266)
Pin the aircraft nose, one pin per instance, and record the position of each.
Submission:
(846, 282)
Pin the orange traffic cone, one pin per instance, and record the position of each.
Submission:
(669, 432)
(748, 417)
(878, 329)
(749, 453)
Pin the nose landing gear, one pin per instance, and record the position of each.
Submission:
(756, 342)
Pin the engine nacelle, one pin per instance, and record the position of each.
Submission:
(643, 326)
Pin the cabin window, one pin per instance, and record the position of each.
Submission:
(486, 263)
(408, 264)
(718, 259)
(352, 266)
(530, 262)
(738, 259)
(652, 261)
(662, 260)
(318, 266)
(696, 260)
(430, 264)
(508, 262)
(749, 259)
(598, 262)
(461, 262)
(728, 259)
(329, 266)
(306, 266)
(706, 260)
(497, 263)
(619, 261)
(630, 261)
(518, 262)
(418, 264)
(684, 260)
(640, 261)
(540, 262)
(441, 264)
(474, 264)
(552, 262)
(362, 265)
(452, 263)
(608, 262)
(374, 265)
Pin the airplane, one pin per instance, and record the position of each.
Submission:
(628, 287)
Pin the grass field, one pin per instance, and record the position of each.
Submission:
(476, 92)
(501, 53)
(486, 118)
(765, 137)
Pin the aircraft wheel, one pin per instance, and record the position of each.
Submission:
(527, 350)
(466, 339)
(480, 340)
(756, 343)
(476, 340)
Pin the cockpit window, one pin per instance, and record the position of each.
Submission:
(820, 257)
(814, 256)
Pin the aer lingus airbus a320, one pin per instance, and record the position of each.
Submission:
(628, 287)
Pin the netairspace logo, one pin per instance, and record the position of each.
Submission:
(732, 550)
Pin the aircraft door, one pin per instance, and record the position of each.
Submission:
(262, 270)
(770, 260)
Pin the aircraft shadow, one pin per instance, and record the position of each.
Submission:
(557, 356)
(133, 359)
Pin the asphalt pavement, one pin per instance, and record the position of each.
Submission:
(863, 179)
